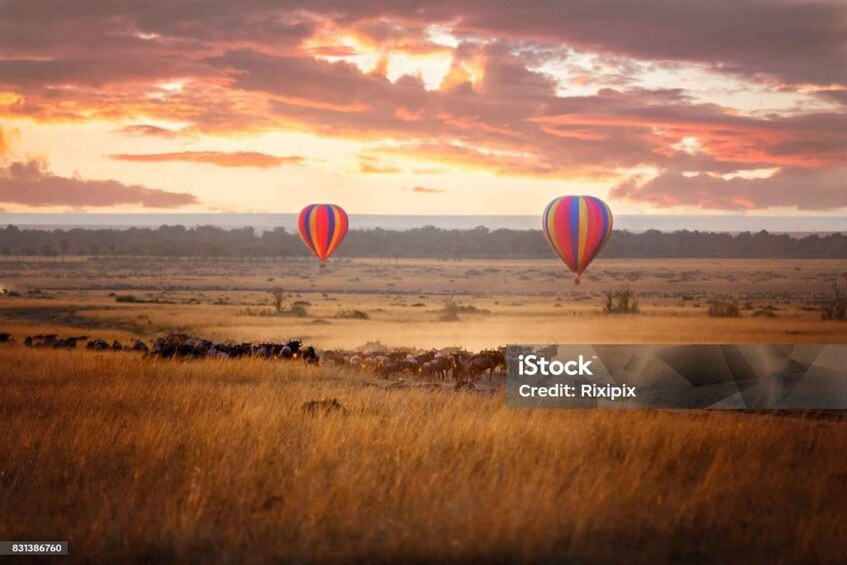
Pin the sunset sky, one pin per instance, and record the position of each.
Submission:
(439, 107)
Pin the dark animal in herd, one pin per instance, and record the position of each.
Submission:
(188, 347)
(177, 346)
(433, 364)
(53, 340)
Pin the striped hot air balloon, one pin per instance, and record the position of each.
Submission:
(577, 228)
(322, 228)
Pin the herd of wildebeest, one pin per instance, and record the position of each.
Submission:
(445, 364)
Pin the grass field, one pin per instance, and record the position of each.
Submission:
(217, 461)
(508, 301)
(138, 459)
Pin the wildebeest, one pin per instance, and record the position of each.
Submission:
(67, 343)
(97, 344)
(310, 356)
(485, 361)
(41, 340)
(393, 368)
(458, 364)
(181, 345)
(439, 367)
(188, 347)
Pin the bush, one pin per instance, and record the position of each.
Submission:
(353, 315)
(127, 298)
(764, 313)
(450, 312)
(836, 308)
(724, 309)
(620, 302)
(296, 310)
(257, 312)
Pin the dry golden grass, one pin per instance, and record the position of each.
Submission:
(215, 461)
(147, 460)
(525, 301)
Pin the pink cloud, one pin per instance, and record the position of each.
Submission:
(31, 184)
(253, 68)
(800, 188)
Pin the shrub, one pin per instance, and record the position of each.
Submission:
(450, 312)
(296, 310)
(257, 312)
(724, 309)
(620, 302)
(764, 313)
(836, 308)
(353, 315)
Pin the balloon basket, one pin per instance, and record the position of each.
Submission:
(577, 282)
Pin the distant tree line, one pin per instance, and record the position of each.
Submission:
(208, 241)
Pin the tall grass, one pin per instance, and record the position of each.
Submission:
(215, 461)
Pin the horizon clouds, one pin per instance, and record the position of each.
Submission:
(706, 107)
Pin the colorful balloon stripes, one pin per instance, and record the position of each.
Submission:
(577, 228)
(322, 227)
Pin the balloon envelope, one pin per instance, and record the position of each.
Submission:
(577, 228)
(322, 227)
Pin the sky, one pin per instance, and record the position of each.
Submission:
(429, 107)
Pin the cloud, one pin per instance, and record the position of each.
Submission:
(4, 145)
(425, 190)
(219, 158)
(370, 165)
(142, 130)
(803, 189)
(323, 67)
(30, 183)
(798, 42)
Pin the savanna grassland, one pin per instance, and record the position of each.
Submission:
(502, 301)
(142, 459)
(216, 461)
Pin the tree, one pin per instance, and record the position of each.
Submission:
(278, 297)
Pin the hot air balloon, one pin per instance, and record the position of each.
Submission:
(577, 228)
(322, 227)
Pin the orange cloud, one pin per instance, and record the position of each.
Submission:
(221, 159)
(505, 164)
(425, 190)
(372, 166)
(233, 69)
(148, 130)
